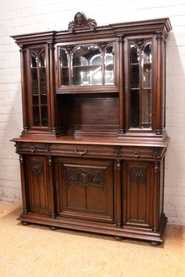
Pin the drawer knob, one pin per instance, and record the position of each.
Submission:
(80, 153)
(32, 149)
(136, 154)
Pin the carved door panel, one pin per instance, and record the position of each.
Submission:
(38, 185)
(138, 194)
(85, 189)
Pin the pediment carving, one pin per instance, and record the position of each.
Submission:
(81, 21)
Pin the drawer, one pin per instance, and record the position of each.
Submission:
(142, 152)
(32, 147)
(82, 150)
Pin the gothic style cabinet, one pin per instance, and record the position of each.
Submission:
(92, 149)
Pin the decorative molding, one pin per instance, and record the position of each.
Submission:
(157, 167)
(81, 21)
(21, 159)
(17, 147)
(47, 146)
(118, 164)
(85, 177)
(157, 151)
(138, 175)
(50, 161)
(117, 150)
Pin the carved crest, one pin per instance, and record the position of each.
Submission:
(81, 21)
(85, 177)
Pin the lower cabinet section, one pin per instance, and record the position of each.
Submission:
(117, 197)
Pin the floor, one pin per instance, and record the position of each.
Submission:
(35, 251)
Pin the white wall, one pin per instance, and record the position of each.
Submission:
(18, 17)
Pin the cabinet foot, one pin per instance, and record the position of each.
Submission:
(155, 243)
(53, 228)
(25, 223)
(118, 238)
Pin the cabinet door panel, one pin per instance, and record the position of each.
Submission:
(138, 190)
(37, 183)
(85, 188)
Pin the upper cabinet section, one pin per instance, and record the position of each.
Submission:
(95, 80)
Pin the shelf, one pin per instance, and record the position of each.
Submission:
(82, 89)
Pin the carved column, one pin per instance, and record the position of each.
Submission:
(23, 88)
(51, 187)
(52, 88)
(159, 100)
(156, 196)
(121, 84)
(24, 198)
(118, 193)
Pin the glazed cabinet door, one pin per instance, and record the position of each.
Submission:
(37, 175)
(89, 66)
(139, 62)
(85, 189)
(138, 193)
(35, 88)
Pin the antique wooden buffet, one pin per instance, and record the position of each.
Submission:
(92, 149)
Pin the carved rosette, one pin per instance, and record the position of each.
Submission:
(37, 167)
(85, 177)
(81, 21)
(138, 175)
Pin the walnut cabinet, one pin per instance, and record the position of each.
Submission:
(92, 149)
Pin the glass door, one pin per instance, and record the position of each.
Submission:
(86, 65)
(38, 87)
(140, 68)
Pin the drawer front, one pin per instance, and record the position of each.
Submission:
(32, 148)
(142, 152)
(82, 150)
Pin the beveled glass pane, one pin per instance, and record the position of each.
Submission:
(34, 81)
(146, 76)
(44, 115)
(43, 99)
(87, 65)
(64, 76)
(134, 76)
(35, 115)
(64, 69)
(63, 58)
(146, 53)
(43, 80)
(134, 54)
(42, 59)
(146, 108)
(96, 72)
(35, 99)
(33, 59)
(109, 65)
(134, 108)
